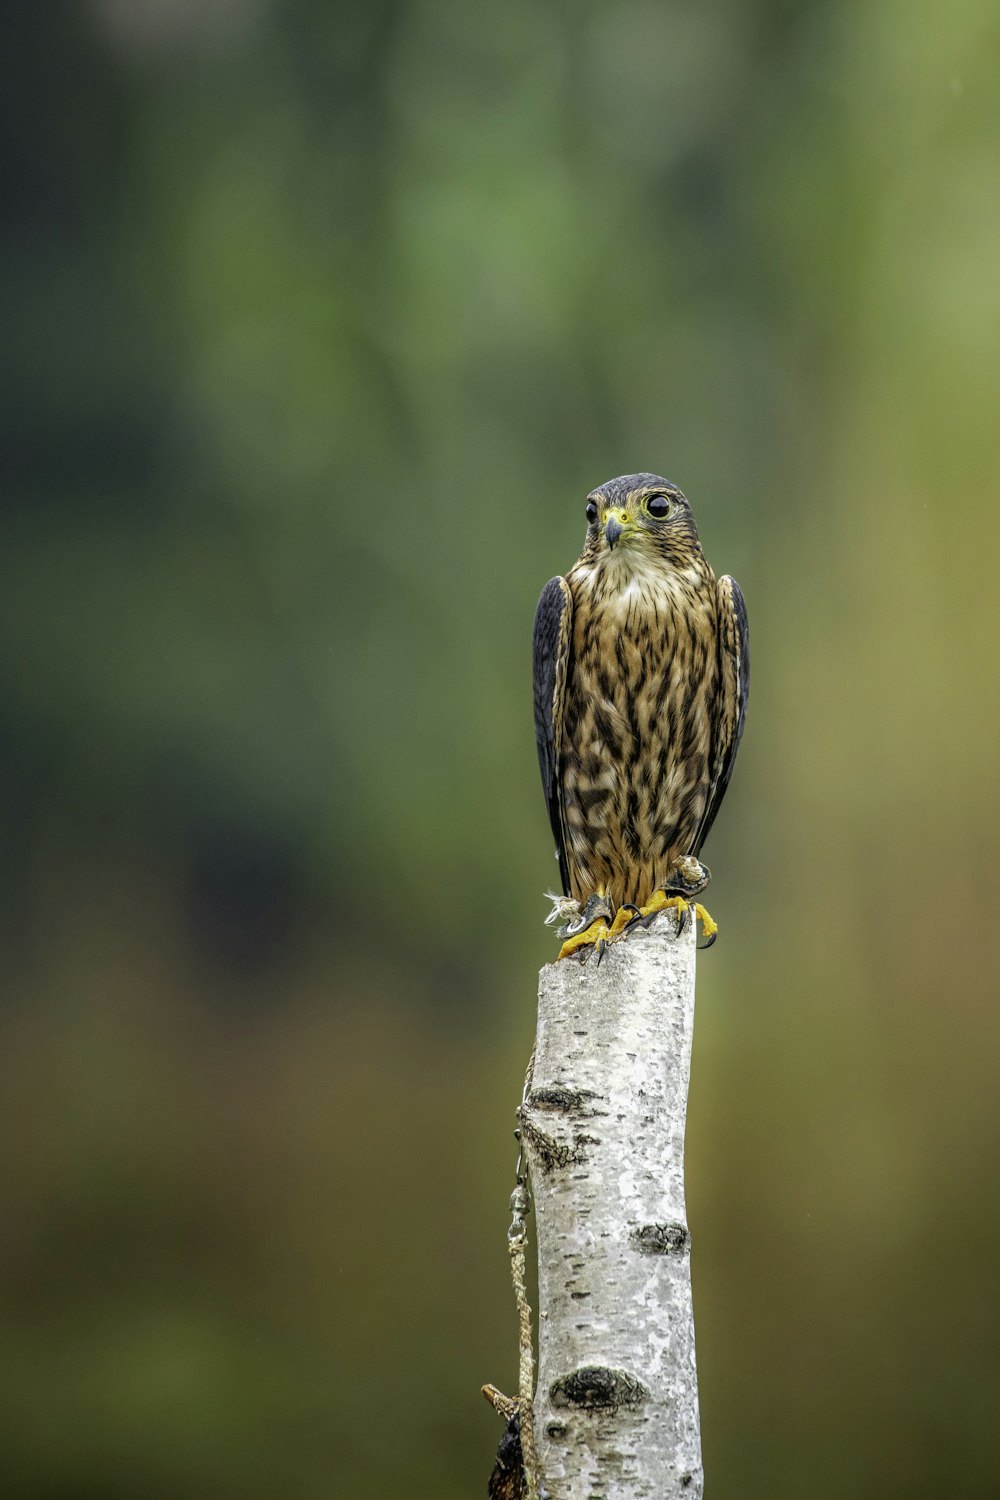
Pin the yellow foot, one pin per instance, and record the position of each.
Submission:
(709, 926)
(660, 901)
(594, 936)
(624, 917)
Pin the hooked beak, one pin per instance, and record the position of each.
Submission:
(616, 523)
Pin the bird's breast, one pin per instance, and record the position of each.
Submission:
(637, 725)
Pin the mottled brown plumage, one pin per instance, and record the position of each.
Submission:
(641, 678)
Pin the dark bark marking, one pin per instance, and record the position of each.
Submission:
(660, 1239)
(557, 1097)
(598, 1388)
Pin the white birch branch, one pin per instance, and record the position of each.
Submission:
(616, 1404)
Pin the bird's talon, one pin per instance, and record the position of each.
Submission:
(709, 926)
(660, 901)
(579, 944)
(597, 934)
(622, 921)
(591, 928)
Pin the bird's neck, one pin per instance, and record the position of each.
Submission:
(628, 576)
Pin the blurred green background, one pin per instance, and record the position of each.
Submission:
(321, 320)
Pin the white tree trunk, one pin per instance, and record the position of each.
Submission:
(616, 1405)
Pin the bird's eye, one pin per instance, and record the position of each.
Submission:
(591, 512)
(659, 506)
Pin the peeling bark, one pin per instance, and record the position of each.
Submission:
(616, 1404)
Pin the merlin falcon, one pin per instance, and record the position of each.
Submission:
(641, 677)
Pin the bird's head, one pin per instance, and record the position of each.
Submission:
(640, 517)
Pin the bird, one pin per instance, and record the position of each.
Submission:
(641, 675)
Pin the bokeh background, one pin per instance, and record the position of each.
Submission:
(321, 319)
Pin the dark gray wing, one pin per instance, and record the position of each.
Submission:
(550, 657)
(734, 690)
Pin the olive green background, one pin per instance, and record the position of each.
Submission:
(321, 320)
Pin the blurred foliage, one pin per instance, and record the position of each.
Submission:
(320, 322)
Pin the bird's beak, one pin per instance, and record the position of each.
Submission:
(615, 525)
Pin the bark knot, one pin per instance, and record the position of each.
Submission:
(660, 1239)
(552, 1153)
(598, 1388)
(556, 1097)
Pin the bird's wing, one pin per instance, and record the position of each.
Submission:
(550, 652)
(734, 690)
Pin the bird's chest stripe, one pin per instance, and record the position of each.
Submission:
(637, 732)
